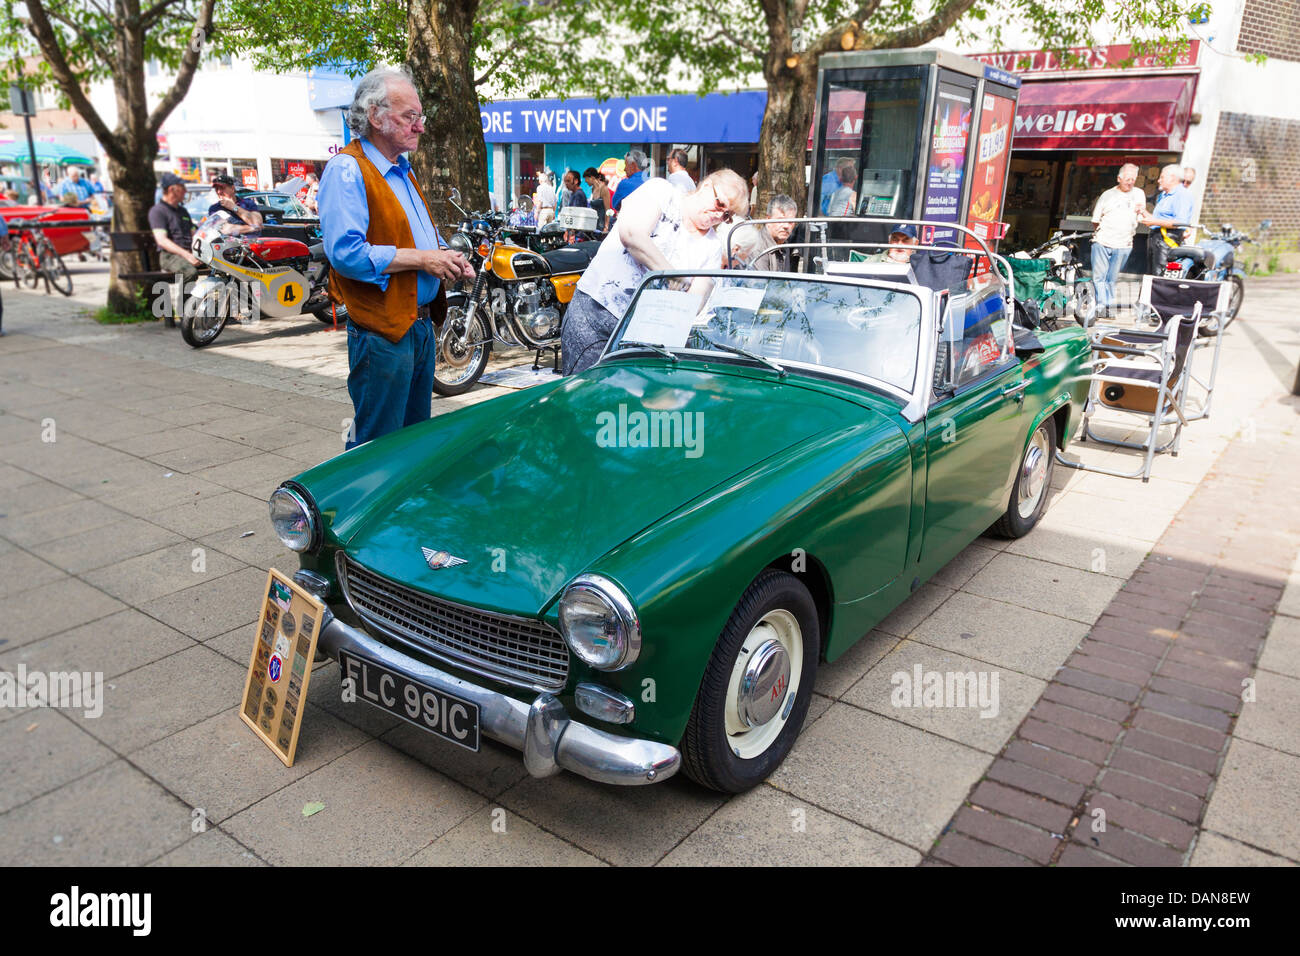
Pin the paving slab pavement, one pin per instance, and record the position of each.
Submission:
(127, 541)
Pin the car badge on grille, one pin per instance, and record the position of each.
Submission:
(437, 560)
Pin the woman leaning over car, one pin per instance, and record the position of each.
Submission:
(658, 228)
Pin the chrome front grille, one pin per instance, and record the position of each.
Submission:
(515, 650)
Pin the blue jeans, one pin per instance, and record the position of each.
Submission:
(1106, 266)
(391, 384)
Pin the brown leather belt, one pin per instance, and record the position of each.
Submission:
(425, 311)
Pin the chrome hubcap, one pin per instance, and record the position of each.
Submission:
(1033, 473)
(764, 684)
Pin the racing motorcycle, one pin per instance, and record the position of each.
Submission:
(253, 277)
(517, 298)
(1214, 260)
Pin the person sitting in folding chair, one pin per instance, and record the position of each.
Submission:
(1148, 380)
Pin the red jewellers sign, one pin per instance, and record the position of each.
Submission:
(1031, 62)
(1133, 113)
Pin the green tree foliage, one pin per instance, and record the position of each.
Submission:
(69, 44)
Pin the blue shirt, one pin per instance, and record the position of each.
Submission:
(345, 217)
(1173, 207)
(626, 188)
(830, 183)
(80, 189)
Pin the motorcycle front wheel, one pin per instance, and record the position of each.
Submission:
(1235, 298)
(205, 315)
(1085, 302)
(463, 350)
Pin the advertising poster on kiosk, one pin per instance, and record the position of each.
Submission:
(989, 175)
(947, 166)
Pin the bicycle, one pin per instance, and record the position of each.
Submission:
(32, 256)
(1051, 276)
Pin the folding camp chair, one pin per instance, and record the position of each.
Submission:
(1145, 374)
(1160, 300)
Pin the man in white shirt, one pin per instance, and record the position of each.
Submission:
(677, 174)
(1114, 221)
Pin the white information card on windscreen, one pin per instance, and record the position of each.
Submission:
(737, 297)
(663, 317)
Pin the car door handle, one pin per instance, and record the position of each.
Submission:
(1017, 390)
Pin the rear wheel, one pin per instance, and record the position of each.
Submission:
(756, 689)
(463, 348)
(25, 266)
(1033, 484)
(56, 270)
(327, 313)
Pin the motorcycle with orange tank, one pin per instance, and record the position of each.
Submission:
(518, 298)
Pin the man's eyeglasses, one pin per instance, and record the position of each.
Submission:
(412, 118)
(721, 205)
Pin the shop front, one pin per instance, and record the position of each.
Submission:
(526, 137)
(1076, 128)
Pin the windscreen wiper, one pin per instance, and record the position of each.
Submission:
(737, 350)
(652, 347)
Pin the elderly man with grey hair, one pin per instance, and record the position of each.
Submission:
(749, 242)
(635, 168)
(1168, 219)
(1114, 221)
(388, 263)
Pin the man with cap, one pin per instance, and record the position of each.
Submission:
(173, 229)
(242, 213)
(901, 236)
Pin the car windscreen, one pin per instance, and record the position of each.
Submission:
(864, 330)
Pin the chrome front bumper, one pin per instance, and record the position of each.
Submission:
(549, 740)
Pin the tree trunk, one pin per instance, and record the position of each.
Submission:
(784, 139)
(440, 56)
(133, 191)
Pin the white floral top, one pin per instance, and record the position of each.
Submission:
(613, 275)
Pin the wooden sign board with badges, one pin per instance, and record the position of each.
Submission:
(275, 691)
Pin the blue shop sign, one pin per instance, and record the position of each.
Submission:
(715, 118)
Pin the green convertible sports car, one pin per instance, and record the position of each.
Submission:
(641, 567)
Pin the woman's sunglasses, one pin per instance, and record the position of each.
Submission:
(721, 206)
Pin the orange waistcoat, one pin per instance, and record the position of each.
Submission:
(389, 312)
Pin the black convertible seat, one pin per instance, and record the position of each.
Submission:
(1195, 253)
(571, 258)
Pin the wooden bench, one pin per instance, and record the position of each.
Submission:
(144, 244)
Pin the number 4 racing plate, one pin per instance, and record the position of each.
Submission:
(449, 717)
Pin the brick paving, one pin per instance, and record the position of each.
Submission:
(1117, 761)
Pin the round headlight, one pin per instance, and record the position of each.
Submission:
(461, 243)
(292, 519)
(599, 623)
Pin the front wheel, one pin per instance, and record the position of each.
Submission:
(463, 348)
(56, 270)
(1235, 298)
(1033, 484)
(1085, 302)
(205, 315)
(756, 689)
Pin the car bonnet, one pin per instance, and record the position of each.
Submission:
(537, 496)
